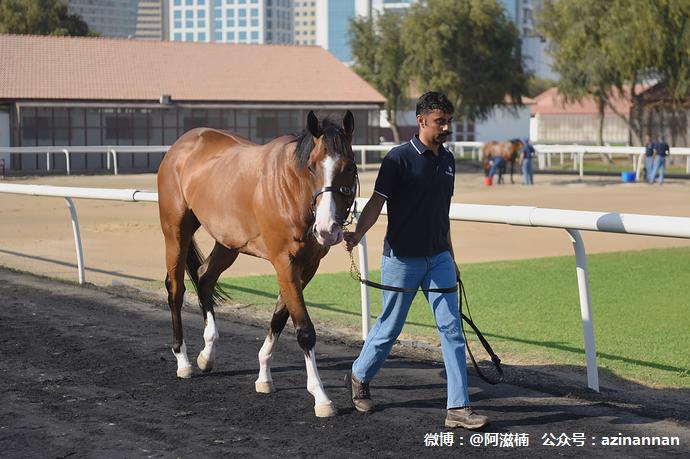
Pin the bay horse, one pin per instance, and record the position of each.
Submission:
(509, 151)
(285, 201)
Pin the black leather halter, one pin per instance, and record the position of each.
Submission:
(349, 193)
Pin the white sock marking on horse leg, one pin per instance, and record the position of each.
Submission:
(208, 355)
(264, 383)
(322, 404)
(184, 368)
(210, 337)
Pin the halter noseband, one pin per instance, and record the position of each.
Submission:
(344, 191)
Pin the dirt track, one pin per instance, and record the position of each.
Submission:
(86, 373)
(123, 243)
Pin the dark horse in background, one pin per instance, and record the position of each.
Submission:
(285, 201)
(509, 151)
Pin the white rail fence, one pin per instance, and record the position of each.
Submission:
(545, 153)
(571, 221)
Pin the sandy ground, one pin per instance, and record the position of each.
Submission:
(123, 243)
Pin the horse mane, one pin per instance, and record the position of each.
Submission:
(333, 136)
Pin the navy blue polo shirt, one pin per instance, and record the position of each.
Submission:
(418, 187)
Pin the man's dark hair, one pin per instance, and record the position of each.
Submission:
(433, 100)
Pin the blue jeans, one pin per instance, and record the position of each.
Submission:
(658, 167)
(437, 271)
(527, 172)
(498, 162)
(648, 166)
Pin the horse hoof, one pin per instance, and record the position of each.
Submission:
(204, 364)
(264, 387)
(326, 410)
(184, 372)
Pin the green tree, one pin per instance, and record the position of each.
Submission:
(379, 58)
(40, 17)
(607, 49)
(469, 50)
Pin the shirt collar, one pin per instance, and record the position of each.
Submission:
(420, 148)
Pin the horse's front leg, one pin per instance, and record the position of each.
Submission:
(290, 283)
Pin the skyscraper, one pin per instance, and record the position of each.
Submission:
(332, 23)
(111, 18)
(305, 22)
(231, 21)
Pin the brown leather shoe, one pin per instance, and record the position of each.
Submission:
(465, 417)
(359, 394)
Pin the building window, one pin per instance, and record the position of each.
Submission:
(243, 36)
(201, 23)
(230, 23)
(230, 13)
(254, 23)
(189, 36)
(178, 24)
(230, 36)
(218, 36)
(178, 14)
(177, 36)
(255, 36)
(202, 36)
(242, 22)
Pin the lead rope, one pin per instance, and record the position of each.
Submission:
(357, 275)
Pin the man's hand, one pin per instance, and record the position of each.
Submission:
(350, 240)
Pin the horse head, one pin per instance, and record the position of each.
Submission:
(333, 165)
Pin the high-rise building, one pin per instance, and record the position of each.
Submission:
(111, 18)
(305, 22)
(150, 24)
(332, 24)
(534, 46)
(138, 19)
(231, 21)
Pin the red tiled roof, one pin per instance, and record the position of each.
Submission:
(551, 102)
(85, 68)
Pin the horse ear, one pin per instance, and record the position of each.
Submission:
(349, 123)
(313, 124)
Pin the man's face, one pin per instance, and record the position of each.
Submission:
(435, 125)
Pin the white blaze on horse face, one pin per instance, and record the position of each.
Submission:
(326, 229)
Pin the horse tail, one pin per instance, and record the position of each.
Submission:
(194, 261)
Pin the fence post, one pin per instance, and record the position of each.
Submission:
(585, 309)
(364, 289)
(77, 239)
(67, 161)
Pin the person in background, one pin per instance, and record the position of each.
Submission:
(416, 181)
(496, 162)
(661, 151)
(648, 158)
(526, 162)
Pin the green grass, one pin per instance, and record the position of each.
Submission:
(529, 310)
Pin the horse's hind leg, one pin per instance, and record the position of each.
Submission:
(218, 261)
(178, 236)
(264, 383)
